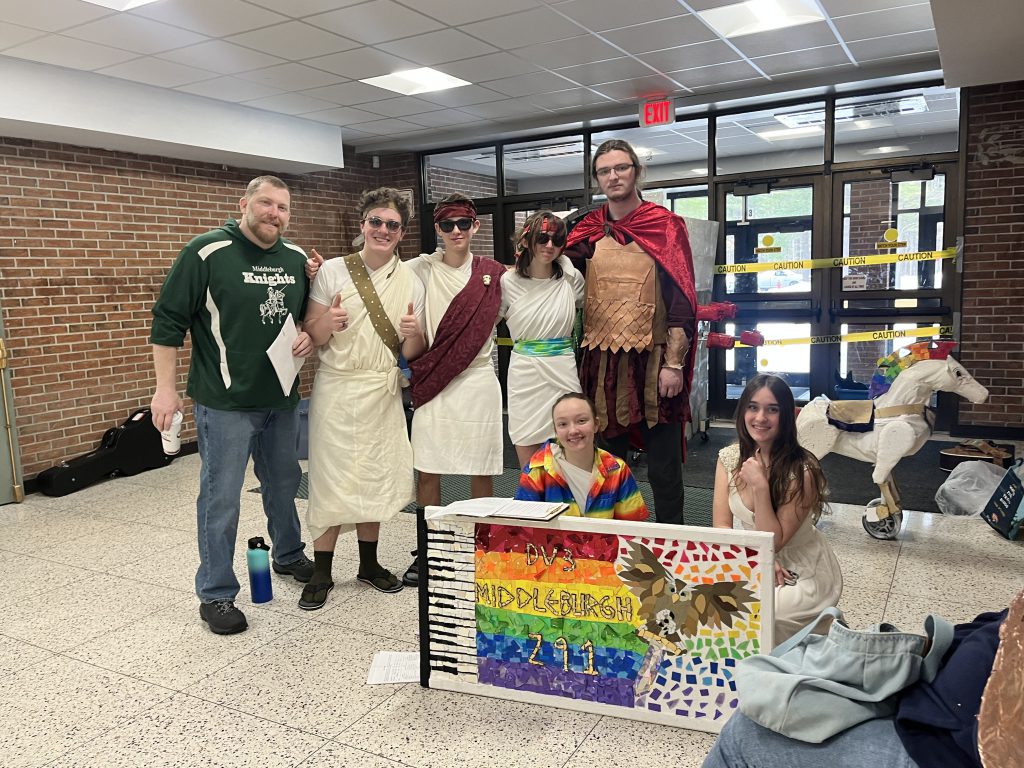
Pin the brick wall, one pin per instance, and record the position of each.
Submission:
(993, 278)
(88, 237)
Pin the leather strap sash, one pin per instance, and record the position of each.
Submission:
(374, 309)
(466, 325)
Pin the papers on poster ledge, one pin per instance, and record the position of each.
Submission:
(495, 507)
(286, 365)
(394, 667)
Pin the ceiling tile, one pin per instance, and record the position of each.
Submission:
(461, 12)
(600, 15)
(361, 63)
(865, 26)
(294, 40)
(606, 71)
(441, 118)
(53, 15)
(524, 85)
(785, 40)
(134, 33)
(798, 61)
(12, 34)
(719, 73)
(229, 89)
(568, 53)
(572, 97)
(837, 8)
(894, 45)
(387, 127)
(460, 97)
(537, 26)
(68, 52)
(289, 103)
(706, 5)
(638, 88)
(341, 116)
(690, 56)
(400, 106)
(222, 57)
(490, 67)
(375, 22)
(290, 77)
(166, 74)
(349, 93)
(658, 35)
(437, 47)
(299, 8)
(722, 87)
(497, 110)
(224, 17)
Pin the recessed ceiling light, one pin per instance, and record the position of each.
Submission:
(121, 5)
(760, 16)
(884, 150)
(789, 133)
(413, 81)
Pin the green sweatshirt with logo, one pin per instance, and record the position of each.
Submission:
(233, 297)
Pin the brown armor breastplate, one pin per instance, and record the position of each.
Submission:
(624, 302)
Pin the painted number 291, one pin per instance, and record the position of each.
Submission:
(563, 645)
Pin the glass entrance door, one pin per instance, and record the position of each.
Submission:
(766, 235)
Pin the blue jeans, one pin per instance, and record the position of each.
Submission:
(745, 744)
(226, 441)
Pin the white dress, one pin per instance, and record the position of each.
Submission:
(360, 460)
(459, 431)
(820, 580)
(538, 309)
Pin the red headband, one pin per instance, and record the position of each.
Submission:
(458, 210)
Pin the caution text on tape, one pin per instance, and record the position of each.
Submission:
(860, 336)
(845, 261)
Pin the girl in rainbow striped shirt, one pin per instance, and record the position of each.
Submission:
(572, 470)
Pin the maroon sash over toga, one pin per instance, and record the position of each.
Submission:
(461, 333)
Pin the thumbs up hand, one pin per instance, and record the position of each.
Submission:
(313, 263)
(337, 315)
(409, 325)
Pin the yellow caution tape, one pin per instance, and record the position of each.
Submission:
(845, 261)
(879, 335)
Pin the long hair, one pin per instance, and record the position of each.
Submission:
(611, 145)
(526, 237)
(788, 459)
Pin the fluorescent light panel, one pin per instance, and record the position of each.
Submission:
(413, 81)
(760, 16)
(887, 150)
(121, 5)
(789, 133)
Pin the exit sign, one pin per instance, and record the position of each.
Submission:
(659, 112)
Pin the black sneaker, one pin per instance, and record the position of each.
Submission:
(222, 617)
(300, 570)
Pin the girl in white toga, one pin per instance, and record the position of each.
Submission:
(770, 483)
(539, 299)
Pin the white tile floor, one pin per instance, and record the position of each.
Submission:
(104, 661)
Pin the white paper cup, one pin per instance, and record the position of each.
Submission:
(171, 437)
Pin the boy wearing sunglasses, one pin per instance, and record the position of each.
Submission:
(638, 322)
(456, 426)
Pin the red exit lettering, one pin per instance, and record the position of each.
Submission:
(657, 113)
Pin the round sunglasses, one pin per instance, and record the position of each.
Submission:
(376, 221)
(543, 238)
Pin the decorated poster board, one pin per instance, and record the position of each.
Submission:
(636, 620)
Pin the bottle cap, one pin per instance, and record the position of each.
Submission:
(256, 542)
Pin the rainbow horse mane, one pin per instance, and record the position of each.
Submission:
(890, 366)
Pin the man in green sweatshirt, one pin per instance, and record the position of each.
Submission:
(232, 289)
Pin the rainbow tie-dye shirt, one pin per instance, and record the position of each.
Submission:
(613, 492)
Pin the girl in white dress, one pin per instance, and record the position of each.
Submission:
(539, 299)
(769, 483)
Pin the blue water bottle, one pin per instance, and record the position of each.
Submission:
(258, 559)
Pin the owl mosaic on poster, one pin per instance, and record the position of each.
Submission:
(636, 620)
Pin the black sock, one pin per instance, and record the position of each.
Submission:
(321, 567)
(368, 565)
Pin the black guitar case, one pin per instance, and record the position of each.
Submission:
(129, 449)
